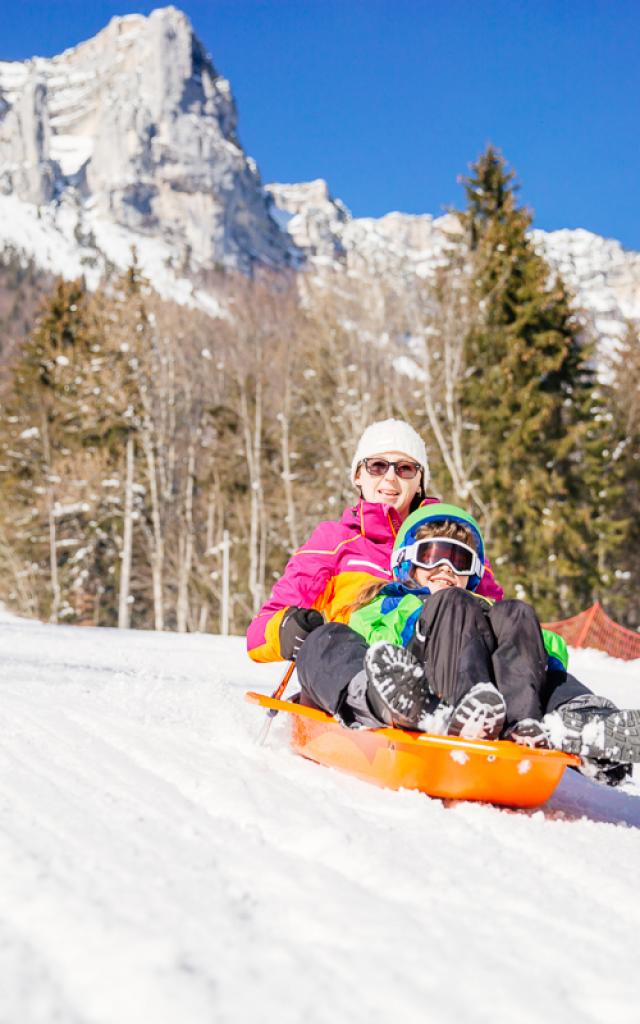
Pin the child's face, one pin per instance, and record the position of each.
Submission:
(439, 578)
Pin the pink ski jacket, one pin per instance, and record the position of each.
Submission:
(339, 560)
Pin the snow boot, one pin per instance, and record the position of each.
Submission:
(606, 738)
(608, 773)
(529, 732)
(397, 691)
(479, 715)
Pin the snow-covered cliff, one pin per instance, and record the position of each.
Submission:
(604, 277)
(134, 128)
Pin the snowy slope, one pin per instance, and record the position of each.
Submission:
(71, 242)
(158, 866)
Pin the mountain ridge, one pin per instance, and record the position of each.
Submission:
(129, 139)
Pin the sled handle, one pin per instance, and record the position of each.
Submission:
(276, 695)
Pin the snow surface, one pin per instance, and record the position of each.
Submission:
(49, 234)
(160, 866)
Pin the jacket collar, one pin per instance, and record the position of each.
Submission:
(374, 520)
(397, 589)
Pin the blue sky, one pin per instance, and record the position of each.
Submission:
(390, 100)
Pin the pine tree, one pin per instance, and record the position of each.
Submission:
(623, 407)
(530, 389)
(23, 288)
(45, 489)
(134, 410)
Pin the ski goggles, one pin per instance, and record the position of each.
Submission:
(405, 470)
(433, 551)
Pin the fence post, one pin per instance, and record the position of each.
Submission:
(590, 616)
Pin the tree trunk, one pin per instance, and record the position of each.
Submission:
(53, 558)
(253, 445)
(224, 602)
(186, 547)
(287, 476)
(124, 606)
(53, 543)
(208, 545)
(157, 549)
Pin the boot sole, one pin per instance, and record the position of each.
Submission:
(612, 735)
(478, 717)
(397, 688)
(530, 734)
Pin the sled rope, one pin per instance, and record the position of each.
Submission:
(276, 695)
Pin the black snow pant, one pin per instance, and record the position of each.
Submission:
(328, 660)
(461, 641)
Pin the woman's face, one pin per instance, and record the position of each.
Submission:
(389, 489)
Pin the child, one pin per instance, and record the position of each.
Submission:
(425, 652)
(487, 661)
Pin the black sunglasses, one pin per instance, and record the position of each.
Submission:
(378, 467)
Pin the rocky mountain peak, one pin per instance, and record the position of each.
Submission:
(137, 126)
(312, 217)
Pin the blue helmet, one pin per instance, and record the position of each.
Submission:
(434, 513)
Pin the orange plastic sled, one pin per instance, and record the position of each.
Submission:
(498, 772)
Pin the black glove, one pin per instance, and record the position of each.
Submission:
(295, 627)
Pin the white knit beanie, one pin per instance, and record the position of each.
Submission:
(391, 436)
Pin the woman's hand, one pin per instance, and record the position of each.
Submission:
(295, 627)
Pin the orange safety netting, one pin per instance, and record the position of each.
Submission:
(594, 628)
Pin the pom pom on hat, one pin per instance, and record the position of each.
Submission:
(391, 436)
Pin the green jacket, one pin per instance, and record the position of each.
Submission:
(393, 614)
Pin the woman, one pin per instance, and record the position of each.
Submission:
(390, 470)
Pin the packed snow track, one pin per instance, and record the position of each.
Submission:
(159, 866)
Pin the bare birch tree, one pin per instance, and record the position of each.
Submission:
(124, 603)
(186, 546)
(439, 316)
